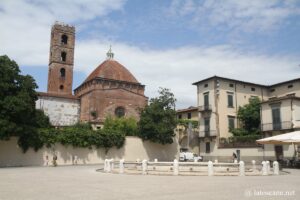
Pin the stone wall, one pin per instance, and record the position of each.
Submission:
(61, 111)
(134, 148)
(246, 154)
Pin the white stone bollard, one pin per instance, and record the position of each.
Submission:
(121, 166)
(112, 166)
(235, 161)
(155, 160)
(105, 165)
(216, 161)
(268, 167)
(253, 165)
(175, 167)
(276, 168)
(210, 168)
(242, 168)
(108, 167)
(264, 168)
(144, 167)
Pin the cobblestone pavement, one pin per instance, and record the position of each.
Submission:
(83, 182)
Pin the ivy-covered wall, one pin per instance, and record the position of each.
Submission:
(134, 148)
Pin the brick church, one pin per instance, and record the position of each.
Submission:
(110, 90)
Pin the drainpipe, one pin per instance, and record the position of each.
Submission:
(292, 121)
(217, 113)
(236, 108)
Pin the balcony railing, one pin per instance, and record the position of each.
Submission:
(204, 108)
(277, 126)
(207, 133)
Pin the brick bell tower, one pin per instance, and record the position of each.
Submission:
(61, 60)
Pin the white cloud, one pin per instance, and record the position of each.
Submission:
(248, 16)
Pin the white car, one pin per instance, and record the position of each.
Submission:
(189, 156)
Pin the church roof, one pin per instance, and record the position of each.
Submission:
(111, 69)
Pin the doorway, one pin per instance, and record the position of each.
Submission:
(279, 152)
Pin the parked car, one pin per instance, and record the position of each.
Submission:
(189, 156)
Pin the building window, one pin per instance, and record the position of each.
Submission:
(231, 85)
(64, 39)
(206, 85)
(231, 120)
(207, 147)
(189, 115)
(253, 89)
(276, 118)
(206, 99)
(120, 112)
(62, 72)
(230, 100)
(207, 126)
(63, 56)
(180, 116)
(290, 86)
(61, 87)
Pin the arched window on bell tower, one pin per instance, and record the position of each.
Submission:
(62, 72)
(64, 39)
(63, 56)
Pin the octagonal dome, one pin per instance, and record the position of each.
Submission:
(111, 69)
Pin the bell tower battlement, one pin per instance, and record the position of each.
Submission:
(61, 59)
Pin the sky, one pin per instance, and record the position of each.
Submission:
(164, 43)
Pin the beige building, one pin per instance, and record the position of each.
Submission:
(218, 101)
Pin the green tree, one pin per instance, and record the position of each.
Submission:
(158, 119)
(18, 116)
(249, 116)
(17, 100)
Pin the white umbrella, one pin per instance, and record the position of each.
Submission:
(287, 138)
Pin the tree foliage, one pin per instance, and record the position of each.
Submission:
(185, 123)
(81, 135)
(17, 101)
(158, 119)
(126, 126)
(249, 116)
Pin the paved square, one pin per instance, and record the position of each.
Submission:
(83, 182)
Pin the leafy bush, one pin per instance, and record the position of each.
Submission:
(79, 135)
(185, 122)
(126, 126)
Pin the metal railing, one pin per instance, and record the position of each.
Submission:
(204, 108)
(208, 133)
(277, 126)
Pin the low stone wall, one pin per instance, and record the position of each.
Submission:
(134, 148)
(246, 154)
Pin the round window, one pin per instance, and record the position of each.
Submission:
(120, 112)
